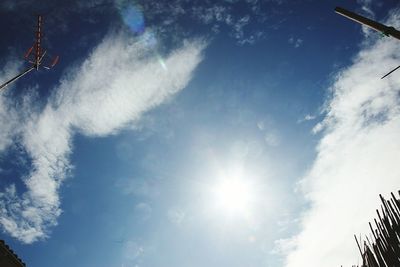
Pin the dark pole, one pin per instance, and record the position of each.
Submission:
(386, 30)
(16, 77)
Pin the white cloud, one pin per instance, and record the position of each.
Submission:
(284, 246)
(357, 158)
(113, 87)
(308, 117)
(8, 114)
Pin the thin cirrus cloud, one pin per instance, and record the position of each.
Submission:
(119, 81)
(357, 159)
(296, 42)
(219, 16)
(8, 114)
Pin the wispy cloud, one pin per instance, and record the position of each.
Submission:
(236, 18)
(366, 7)
(8, 114)
(296, 42)
(357, 158)
(113, 87)
(308, 117)
(244, 21)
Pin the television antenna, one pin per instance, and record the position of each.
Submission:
(35, 55)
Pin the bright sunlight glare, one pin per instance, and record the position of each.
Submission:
(233, 195)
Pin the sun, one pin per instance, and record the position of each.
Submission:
(233, 196)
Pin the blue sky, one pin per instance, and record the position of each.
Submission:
(121, 154)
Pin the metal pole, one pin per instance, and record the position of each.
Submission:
(17, 77)
(386, 30)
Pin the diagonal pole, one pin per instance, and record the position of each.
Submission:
(386, 30)
(17, 77)
(390, 72)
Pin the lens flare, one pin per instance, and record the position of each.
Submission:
(133, 18)
(162, 62)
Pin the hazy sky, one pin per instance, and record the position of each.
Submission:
(191, 133)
